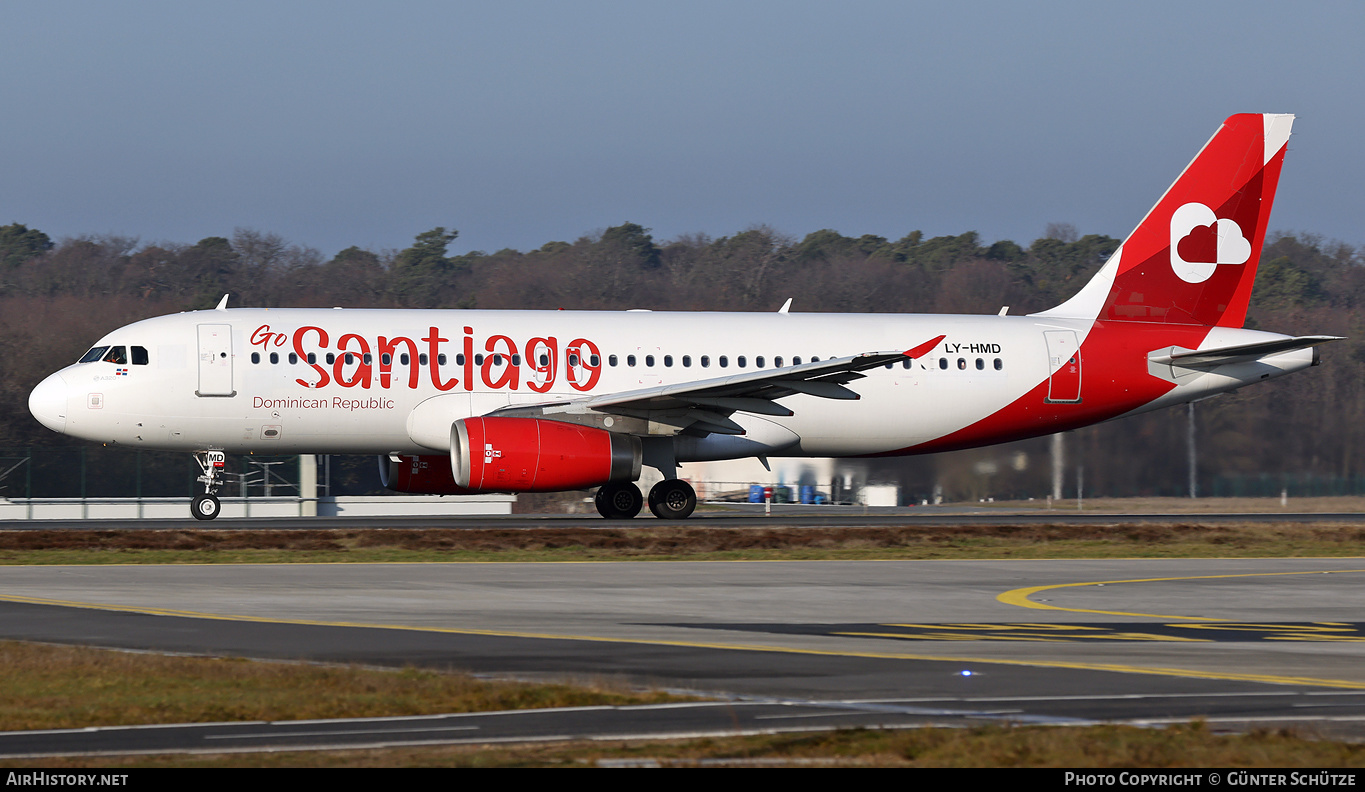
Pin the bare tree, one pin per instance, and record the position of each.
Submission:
(1063, 232)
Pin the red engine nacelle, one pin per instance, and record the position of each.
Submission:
(422, 475)
(536, 455)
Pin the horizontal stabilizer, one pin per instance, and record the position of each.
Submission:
(1241, 353)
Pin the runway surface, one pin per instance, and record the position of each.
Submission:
(788, 644)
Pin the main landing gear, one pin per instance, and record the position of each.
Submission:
(673, 499)
(618, 501)
(207, 506)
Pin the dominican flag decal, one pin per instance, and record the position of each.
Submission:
(121, 372)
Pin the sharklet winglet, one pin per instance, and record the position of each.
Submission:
(924, 348)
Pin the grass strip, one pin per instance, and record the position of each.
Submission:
(203, 546)
(62, 687)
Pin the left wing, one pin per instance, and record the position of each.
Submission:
(705, 406)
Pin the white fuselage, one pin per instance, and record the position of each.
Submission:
(224, 379)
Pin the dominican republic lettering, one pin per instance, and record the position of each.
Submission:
(337, 403)
(356, 361)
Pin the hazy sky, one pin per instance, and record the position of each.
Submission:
(345, 123)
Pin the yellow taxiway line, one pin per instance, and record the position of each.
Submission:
(1020, 596)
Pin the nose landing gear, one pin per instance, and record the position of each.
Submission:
(207, 506)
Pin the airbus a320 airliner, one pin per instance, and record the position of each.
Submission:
(534, 401)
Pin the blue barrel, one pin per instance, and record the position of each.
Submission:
(807, 494)
(755, 493)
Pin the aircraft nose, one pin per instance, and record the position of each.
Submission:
(47, 402)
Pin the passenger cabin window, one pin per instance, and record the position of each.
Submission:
(649, 361)
(724, 361)
(687, 361)
(668, 361)
(740, 361)
(611, 360)
(274, 357)
(758, 362)
(705, 361)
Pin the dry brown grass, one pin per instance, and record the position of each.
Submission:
(53, 687)
(1182, 539)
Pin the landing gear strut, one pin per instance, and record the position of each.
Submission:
(672, 499)
(206, 506)
(618, 501)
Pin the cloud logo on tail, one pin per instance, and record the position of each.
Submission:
(1200, 241)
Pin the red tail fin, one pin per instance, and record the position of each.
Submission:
(1193, 259)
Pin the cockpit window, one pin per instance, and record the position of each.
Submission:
(117, 355)
(93, 355)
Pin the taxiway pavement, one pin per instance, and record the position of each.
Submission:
(1136, 640)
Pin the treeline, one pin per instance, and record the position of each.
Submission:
(58, 297)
